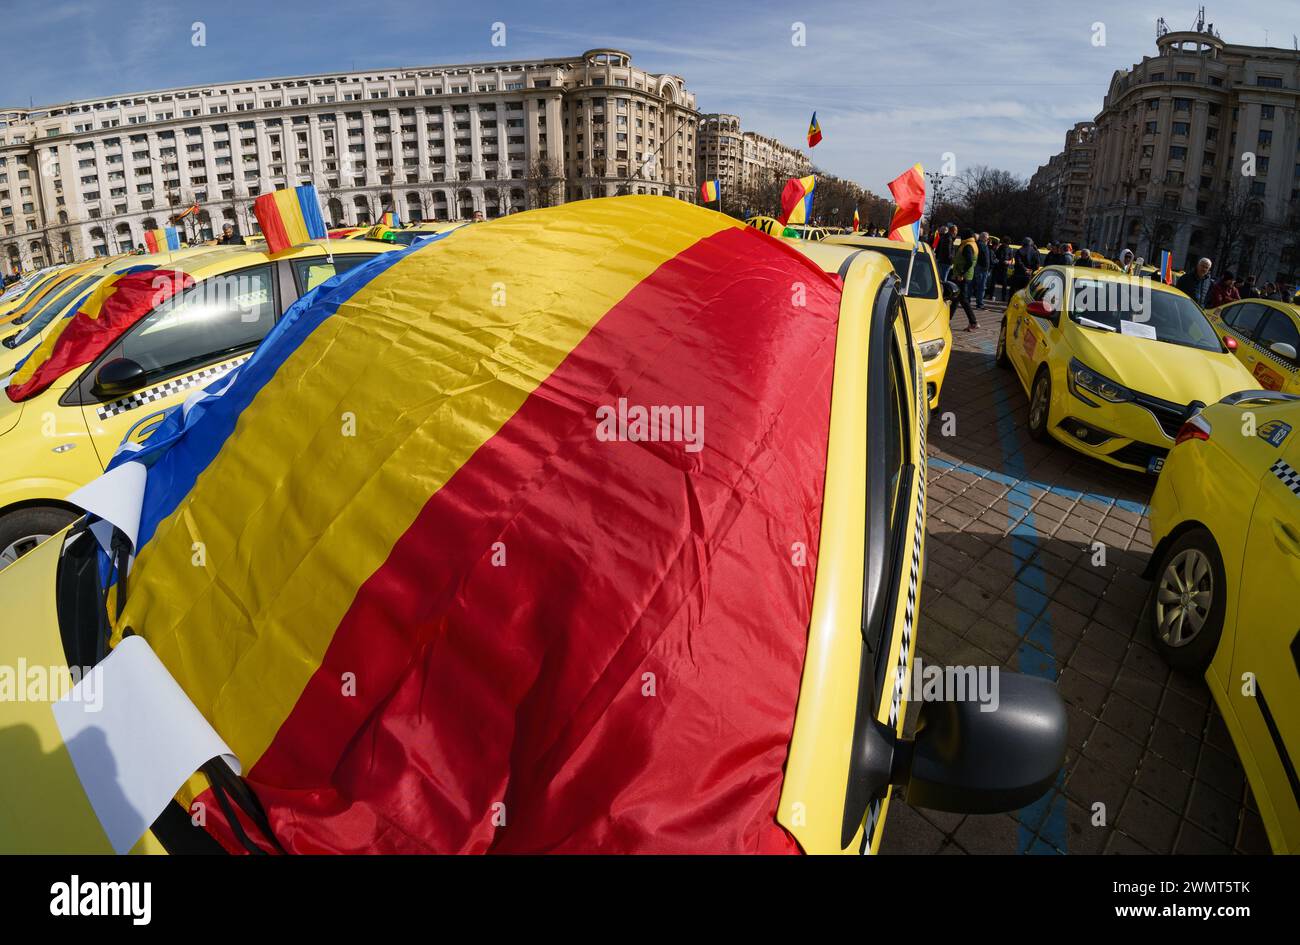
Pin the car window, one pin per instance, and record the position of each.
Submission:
(1132, 308)
(897, 444)
(1245, 318)
(55, 305)
(219, 316)
(1278, 328)
(309, 273)
(923, 283)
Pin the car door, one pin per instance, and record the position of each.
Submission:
(1267, 637)
(1277, 343)
(1242, 320)
(1027, 334)
(182, 345)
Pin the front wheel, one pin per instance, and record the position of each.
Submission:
(1188, 601)
(23, 529)
(1040, 401)
(1000, 356)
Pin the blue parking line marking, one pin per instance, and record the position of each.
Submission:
(1105, 501)
(1042, 822)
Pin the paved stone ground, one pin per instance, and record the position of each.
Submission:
(1010, 581)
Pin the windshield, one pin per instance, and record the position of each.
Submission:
(1137, 309)
(51, 308)
(923, 284)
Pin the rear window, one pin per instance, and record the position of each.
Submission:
(923, 285)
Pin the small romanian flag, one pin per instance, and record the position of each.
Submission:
(1166, 267)
(162, 240)
(908, 189)
(814, 132)
(289, 217)
(710, 190)
(796, 199)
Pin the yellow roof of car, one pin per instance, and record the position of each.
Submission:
(870, 242)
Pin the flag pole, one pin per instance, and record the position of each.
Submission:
(911, 261)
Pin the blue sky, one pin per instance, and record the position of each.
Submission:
(891, 84)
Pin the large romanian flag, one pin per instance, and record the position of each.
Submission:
(289, 217)
(457, 596)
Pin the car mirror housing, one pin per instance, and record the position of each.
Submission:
(1041, 309)
(950, 291)
(966, 757)
(1283, 349)
(117, 377)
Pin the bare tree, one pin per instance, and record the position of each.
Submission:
(1234, 213)
(543, 178)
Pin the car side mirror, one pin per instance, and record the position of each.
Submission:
(1041, 309)
(117, 377)
(1283, 349)
(968, 756)
(950, 291)
(967, 759)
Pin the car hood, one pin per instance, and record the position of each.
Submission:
(924, 316)
(1171, 372)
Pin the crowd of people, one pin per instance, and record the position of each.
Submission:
(984, 268)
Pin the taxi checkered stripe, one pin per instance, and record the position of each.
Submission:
(1289, 475)
(909, 614)
(151, 394)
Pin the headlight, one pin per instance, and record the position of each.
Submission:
(1085, 378)
(931, 349)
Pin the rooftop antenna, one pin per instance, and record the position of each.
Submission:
(1200, 20)
(1162, 28)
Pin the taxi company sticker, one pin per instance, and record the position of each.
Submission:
(1274, 433)
(1269, 378)
(1031, 342)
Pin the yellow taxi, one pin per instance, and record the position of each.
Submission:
(1225, 525)
(16, 291)
(927, 302)
(63, 436)
(41, 290)
(1267, 334)
(1112, 363)
(827, 443)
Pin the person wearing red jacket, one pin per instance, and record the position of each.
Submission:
(1224, 291)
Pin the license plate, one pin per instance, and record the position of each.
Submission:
(1155, 464)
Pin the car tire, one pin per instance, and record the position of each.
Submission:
(1000, 355)
(1187, 602)
(1040, 404)
(23, 529)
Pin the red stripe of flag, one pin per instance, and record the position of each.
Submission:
(268, 216)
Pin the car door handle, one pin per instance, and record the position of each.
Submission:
(1286, 537)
